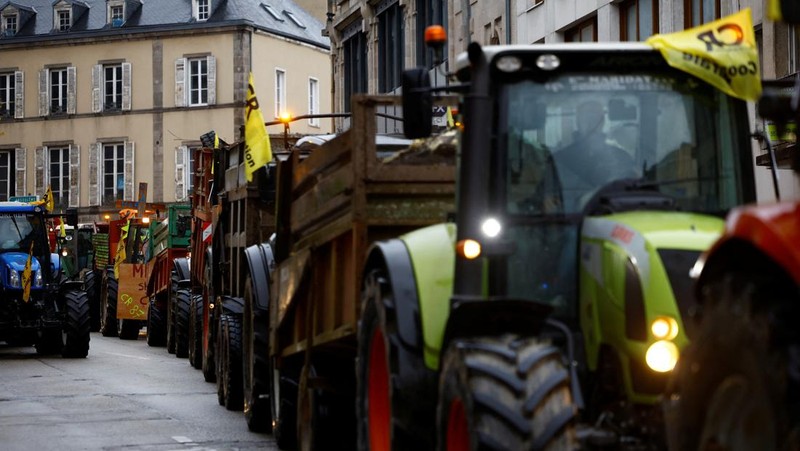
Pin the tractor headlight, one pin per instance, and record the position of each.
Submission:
(13, 279)
(662, 356)
(38, 281)
(664, 328)
(491, 227)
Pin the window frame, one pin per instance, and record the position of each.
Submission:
(356, 79)
(10, 31)
(391, 47)
(11, 93)
(280, 92)
(577, 30)
(429, 12)
(117, 86)
(202, 10)
(793, 49)
(313, 101)
(61, 187)
(195, 81)
(628, 5)
(118, 170)
(10, 181)
(62, 89)
(688, 14)
(63, 19)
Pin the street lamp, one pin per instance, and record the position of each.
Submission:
(286, 118)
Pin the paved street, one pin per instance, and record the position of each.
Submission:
(125, 395)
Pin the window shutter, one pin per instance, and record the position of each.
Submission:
(94, 174)
(129, 160)
(180, 82)
(212, 80)
(126, 86)
(74, 175)
(71, 72)
(180, 172)
(19, 94)
(44, 109)
(20, 158)
(97, 94)
(40, 177)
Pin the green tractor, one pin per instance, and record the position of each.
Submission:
(551, 312)
(74, 244)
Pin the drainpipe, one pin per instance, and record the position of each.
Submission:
(508, 21)
(465, 22)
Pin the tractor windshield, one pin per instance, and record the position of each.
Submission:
(678, 143)
(19, 230)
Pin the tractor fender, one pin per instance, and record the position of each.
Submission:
(183, 270)
(393, 256)
(475, 318)
(772, 230)
(260, 262)
(70, 284)
(232, 305)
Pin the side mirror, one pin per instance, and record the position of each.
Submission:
(417, 103)
(72, 216)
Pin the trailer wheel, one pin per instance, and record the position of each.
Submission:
(182, 299)
(231, 362)
(220, 354)
(196, 331)
(156, 327)
(283, 398)
(732, 387)
(91, 286)
(77, 325)
(394, 420)
(255, 363)
(171, 309)
(499, 393)
(109, 319)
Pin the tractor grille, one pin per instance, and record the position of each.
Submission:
(678, 263)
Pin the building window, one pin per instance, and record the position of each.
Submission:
(7, 95)
(533, 3)
(190, 153)
(390, 48)
(58, 90)
(638, 19)
(585, 31)
(698, 12)
(64, 19)
(280, 92)
(6, 168)
(10, 25)
(59, 174)
(272, 12)
(429, 12)
(355, 67)
(112, 87)
(116, 15)
(793, 48)
(198, 81)
(113, 172)
(294, 19)
(313, 101)
(202, 9)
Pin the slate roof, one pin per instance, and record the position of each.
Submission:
(149, 15)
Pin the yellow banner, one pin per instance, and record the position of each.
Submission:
(26, 277)
(119, 257)
(774, 10)
(257, 149)
(723, 53)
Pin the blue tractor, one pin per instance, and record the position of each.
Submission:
(38, 307)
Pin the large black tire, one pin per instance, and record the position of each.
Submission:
(255, 363)
(77, 327)
(128, 329)
(229, 377)
(156, 325)
(171, 308)
(196, 331)
(283, 401)
(92, 287)
(109, 319)
(503, 393)
(387, 369)
(183, 298)
(732, 388)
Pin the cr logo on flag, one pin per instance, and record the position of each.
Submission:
(711, 38)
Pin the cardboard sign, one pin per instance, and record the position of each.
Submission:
(132, 298)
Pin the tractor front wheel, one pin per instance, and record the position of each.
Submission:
(499, 393)
(229, 374)
(92, 287)
(78, 324)
(732, 388)
(108, 326)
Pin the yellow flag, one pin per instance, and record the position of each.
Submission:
(774, 12)
(119, 257)
(723, 53)
(257, 150)
(26, 277)
(49, 204)
(63, 228)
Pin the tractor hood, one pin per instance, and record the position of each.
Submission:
(17, 261)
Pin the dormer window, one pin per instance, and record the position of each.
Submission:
(202, 9)
(294, 19)
(272, 12)
(116, 15)
(10, 25)
(63, 19)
